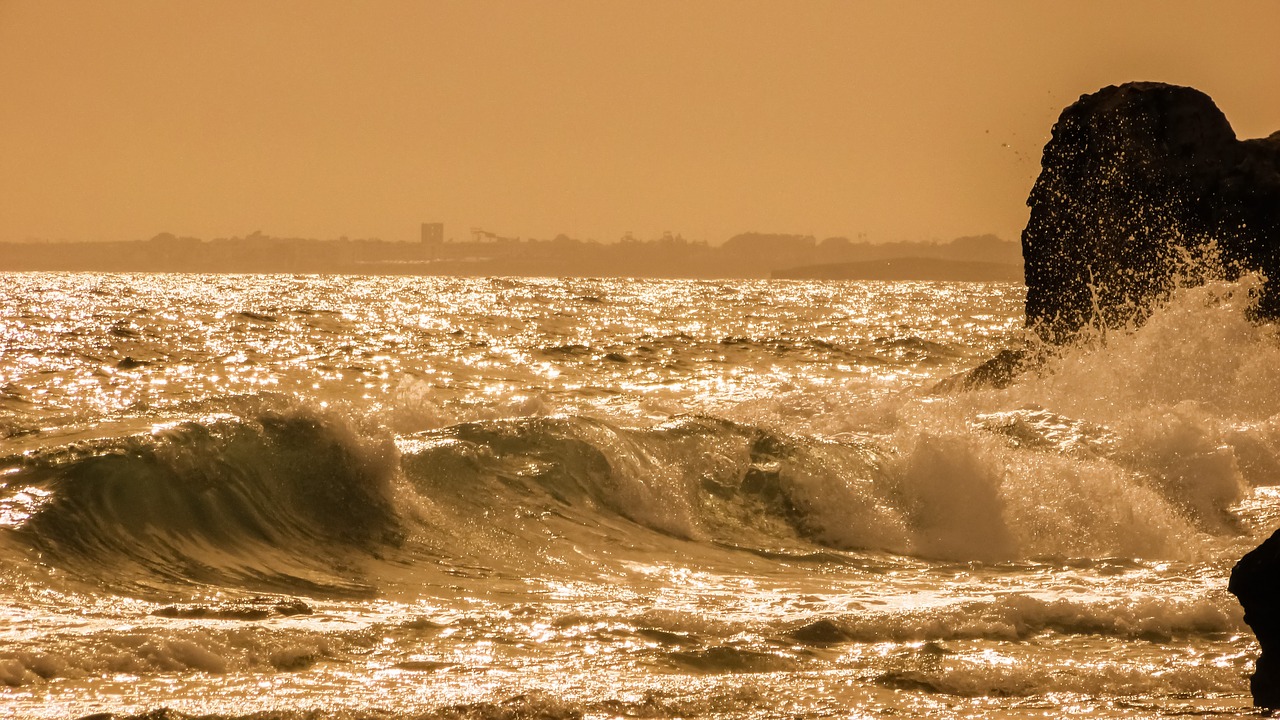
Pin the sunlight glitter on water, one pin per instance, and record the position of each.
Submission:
(726, 500)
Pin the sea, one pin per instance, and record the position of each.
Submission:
(277, 496)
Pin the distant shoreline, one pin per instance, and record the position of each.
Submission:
(745, 256)
(906, 269)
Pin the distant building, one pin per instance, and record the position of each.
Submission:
(755, 244)
(432, 238)
(432, 233)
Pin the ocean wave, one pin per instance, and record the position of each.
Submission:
(711, 702)
(979, 680)
(696, 478)
(1010, 617)
(282, 500)
(1022, 616)
(279, 496)
(158, 650)
(296, 499)
(283, 638)
(941, 492)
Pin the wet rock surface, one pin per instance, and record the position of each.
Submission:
(1255, 581)
(1140, 183)
(1143, 187)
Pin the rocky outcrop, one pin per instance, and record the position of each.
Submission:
(1255, 581)
(1000, 371)
(1142, 187)
(1139, 183)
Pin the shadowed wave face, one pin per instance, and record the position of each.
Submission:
(282, 501)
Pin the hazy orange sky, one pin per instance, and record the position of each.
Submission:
(901, 120)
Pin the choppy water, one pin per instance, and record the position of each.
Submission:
(603, 498)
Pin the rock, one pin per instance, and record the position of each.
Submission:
(1138, 184)
(998, 372)
(1255, 581)
(821, 633)
(1143, 186)
(257, 609)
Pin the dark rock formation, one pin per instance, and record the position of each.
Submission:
(1255, 581)
(998, 372)
(1139, 183)
(1142, 187)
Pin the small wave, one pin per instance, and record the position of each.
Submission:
(531, 706)
(235, 611)
(1021, 617)
(967, 679)
(1014, 617)
(730, 659)
(913, 344)
(570, 349)
(151, 650)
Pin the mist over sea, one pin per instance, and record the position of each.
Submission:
(518, 498)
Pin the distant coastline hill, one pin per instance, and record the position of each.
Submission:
(911, 268)
(748, 255)
(973, 258)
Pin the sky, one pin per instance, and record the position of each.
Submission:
(327, 118)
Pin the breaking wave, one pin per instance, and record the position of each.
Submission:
(282, 501)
